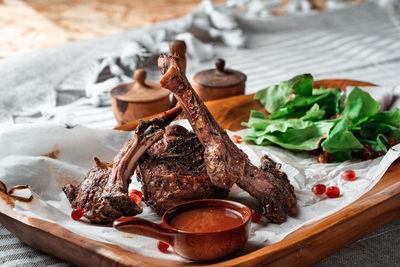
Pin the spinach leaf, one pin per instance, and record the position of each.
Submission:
(302, 138)
(391, 117)
(341, 138)
(305, 121)
(341, 156)
(313, 114)
(273, 97)
(359, 106)
(371, 129)
(301, 84)
(291, 134)
(328, 101)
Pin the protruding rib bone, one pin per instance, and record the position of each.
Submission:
(103, 194)
(221, 165)
(226, 163)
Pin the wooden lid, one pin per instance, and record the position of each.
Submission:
(219, 77)
(141, 91)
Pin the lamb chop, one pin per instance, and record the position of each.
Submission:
(103, 194)
(172, 171)
(226, 164)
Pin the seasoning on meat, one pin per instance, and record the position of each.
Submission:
(173, 171)
(225, 163)
(103, 194)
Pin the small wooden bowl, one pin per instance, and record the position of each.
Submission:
(218, 83)
(191, 245)
(136, 100)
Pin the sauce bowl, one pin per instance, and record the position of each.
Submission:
(199, 246)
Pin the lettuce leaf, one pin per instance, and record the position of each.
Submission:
(328, 100)
(341, 139)
(290, 134)
(305, 121)
(273, 97)
(359, 106)
(391, 117)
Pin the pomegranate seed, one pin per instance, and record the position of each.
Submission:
(135, 197)
(76, 214)
(162, 246)
(237, 139)
(319, 189)
(255, 216)
(349, 175)
(333, 192)
(137, 192)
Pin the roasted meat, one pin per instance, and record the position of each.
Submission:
(103, 194)
(226, 164)
(173, 171)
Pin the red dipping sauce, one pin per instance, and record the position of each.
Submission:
(207, 220)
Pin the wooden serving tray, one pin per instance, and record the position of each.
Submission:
(306, 246)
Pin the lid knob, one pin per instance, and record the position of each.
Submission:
(219, 77)
(140, 76)
(220, 64)
(177, 47)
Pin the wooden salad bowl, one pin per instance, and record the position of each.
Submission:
(305, 246)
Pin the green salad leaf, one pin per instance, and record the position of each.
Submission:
(359, 106)
(391, 117)
(290, 134)
(341, 139)
(328, 100)
(276, 96)
(304, 119)
(313, 114)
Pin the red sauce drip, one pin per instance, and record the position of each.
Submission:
(207, 220)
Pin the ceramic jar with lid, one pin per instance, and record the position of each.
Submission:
(218, 83)
(139, 99)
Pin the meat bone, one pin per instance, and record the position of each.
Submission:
(103, 194)
(226, 163)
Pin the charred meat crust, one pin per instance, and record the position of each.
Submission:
(103, 193)
(226, 164)
(173, 171)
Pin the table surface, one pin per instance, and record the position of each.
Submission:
(50, 23)
(45, 25)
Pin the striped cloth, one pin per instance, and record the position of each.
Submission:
(360, 43)
(15, 253)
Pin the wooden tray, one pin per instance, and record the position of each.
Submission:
(306, 246)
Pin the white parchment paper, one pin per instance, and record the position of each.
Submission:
(24, 159)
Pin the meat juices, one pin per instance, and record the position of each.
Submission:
(225, 163)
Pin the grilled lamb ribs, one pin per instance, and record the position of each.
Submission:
(103, 194)
(172, 171)
(175, 165)
(226, 164)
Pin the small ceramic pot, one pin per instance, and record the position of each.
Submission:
(136, 100)
(191, 245)
(218, 83)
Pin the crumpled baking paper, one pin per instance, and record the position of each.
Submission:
(48, 156)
